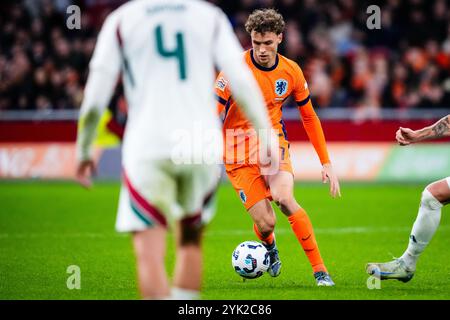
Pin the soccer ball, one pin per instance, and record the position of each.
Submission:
(250, 259)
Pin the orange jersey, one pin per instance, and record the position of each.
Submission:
(277, 83)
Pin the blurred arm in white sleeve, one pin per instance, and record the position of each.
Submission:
(104, 70)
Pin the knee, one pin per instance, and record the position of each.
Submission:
(190, 235)
(440, 190)
(430, 198)
(282, 199)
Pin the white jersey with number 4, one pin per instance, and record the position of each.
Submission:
(166, 52)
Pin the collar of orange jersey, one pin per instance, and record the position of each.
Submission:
(260, 67)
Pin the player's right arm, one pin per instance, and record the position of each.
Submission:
(441, 128)
(246, 92)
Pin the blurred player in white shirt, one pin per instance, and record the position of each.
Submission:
(166, 52)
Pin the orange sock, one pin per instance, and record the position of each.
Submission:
(268, 241)
(302, 227)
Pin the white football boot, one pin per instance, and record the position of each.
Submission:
(395, 269)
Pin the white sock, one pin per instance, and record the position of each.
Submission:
(424, 228)
(184, 294)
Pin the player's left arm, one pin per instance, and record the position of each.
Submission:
(104, 70)
(314, 130)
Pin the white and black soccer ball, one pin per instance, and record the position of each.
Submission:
(250, 259)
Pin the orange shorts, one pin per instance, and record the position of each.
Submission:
(248, 182)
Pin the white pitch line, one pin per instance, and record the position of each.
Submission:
(215, 233)
(344, 230)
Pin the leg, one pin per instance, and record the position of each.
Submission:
(253, 192)
(282, 184)
(281, 187)
(150, 249)
(188, 269)
(264, 218)
(148, 223)
(433, 198)
(441, 190)
(264, 225)
(196, 188)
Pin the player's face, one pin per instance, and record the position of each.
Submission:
(265, 47)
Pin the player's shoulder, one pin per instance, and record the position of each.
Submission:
(289, 64)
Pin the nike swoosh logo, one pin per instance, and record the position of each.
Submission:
(304, 239)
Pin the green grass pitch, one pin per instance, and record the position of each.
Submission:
(47, 226)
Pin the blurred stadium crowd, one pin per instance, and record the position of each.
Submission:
(405, 64)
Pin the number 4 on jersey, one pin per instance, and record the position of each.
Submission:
(177, 53)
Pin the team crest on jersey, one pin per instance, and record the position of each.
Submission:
(221, 84)
(242, 196)
(281, 87)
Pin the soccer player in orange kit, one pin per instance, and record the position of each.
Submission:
(278, 78)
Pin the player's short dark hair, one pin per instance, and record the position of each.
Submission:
(265, 20)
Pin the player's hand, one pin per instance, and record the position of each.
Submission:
(328, 175)
(84, 172)
(406, 136)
